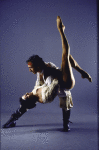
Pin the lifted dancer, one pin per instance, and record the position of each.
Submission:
(51, 82)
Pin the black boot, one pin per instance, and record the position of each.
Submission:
(15, 116)
(66, 116)
(25, 104)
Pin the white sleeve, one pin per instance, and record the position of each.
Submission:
(52, 65)
(48, 80)
(38, 81)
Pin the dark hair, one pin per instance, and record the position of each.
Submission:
(36, 61)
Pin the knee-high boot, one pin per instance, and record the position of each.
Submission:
(15, 116)
(66, 116)
(25, 104)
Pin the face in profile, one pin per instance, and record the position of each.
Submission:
(31, 68)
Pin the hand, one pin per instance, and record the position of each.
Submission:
(27, 95)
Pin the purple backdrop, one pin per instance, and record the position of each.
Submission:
(29, 27)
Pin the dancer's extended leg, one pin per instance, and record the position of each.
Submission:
(76, 66)
(73, 62)
(66, 68)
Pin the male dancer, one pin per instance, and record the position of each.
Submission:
(53, 80)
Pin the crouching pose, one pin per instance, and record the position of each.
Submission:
(51, 82)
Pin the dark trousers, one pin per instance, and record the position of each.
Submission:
(66, 117)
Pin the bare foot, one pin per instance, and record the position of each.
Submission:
(59, 23)
(86, 75)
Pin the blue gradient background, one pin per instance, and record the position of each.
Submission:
(29, 27)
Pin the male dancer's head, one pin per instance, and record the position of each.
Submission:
(35, 64)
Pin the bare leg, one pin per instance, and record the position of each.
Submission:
(66, 68)
(75, 65)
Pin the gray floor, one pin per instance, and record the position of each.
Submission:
(41, 129)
